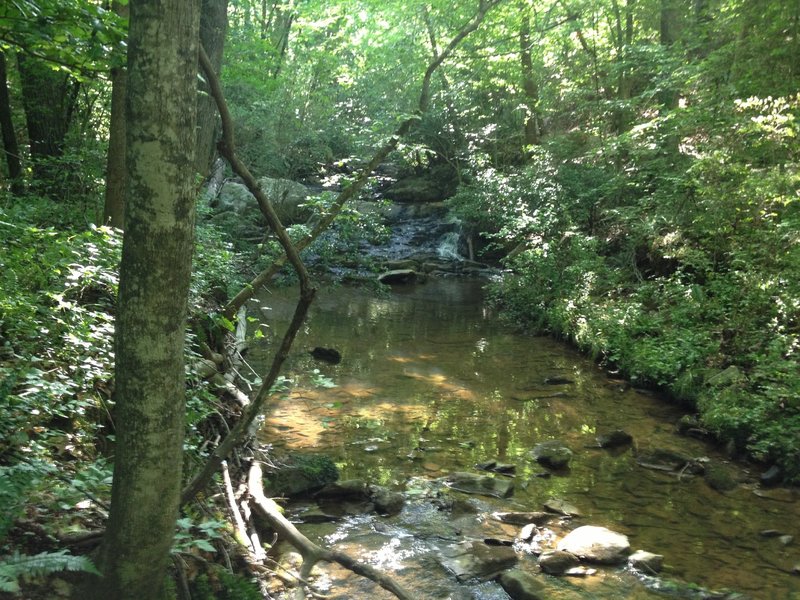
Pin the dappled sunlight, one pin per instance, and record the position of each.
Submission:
(440, 381)
(411, 359)
(355, 389)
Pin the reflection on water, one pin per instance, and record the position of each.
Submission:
(431, 383)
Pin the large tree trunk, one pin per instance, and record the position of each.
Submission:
(10, 146)
(213, 25)
(154, 283)
(48, 97)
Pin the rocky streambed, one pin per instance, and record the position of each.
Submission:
(472, 462)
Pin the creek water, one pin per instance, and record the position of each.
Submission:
(431, 382)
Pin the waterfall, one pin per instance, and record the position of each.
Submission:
(448, 246)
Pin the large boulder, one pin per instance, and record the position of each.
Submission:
(237, 210)
(597, 545)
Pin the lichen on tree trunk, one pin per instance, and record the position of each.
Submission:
(154, 284)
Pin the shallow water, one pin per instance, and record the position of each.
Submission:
(429, 372)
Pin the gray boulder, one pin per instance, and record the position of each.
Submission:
(236, 206)
(597, 545)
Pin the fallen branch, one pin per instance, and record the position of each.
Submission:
(312, 553)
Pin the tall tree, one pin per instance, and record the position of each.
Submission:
(10, 146)
(48, 97)
(213, 25)
(114, 210)
(154, 282)
(533, 130)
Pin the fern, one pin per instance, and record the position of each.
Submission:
(21, 565)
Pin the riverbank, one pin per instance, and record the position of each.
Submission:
(676, 290)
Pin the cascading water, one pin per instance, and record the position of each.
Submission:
(448, 246)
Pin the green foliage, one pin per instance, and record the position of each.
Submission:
(673, 270)
(225, 586)
(18, 566)
(75, 35)
(191, 535)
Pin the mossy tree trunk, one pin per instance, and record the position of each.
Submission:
(154, 283)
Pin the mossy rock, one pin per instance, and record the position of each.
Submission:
(300, 474)
(719, 477)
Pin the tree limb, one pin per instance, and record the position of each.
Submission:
(307, 292)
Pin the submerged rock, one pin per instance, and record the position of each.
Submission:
(484, 485)
(558, 381)
(553, 454)
(520, 585)
(328, 355)
(596, 544)
(475, 560)
(493, 465)
(299, 474)
(557, 562)
(719, 477)
(614, 439)
(669, 461)
(646, 562)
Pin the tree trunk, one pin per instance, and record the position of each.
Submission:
(668, 33)
(154, 283)
(114, 209)
(213, 25)
(48, 97)
(114, 206)
(10, 146)
(533, 131)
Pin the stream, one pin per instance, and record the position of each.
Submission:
(431, 383)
